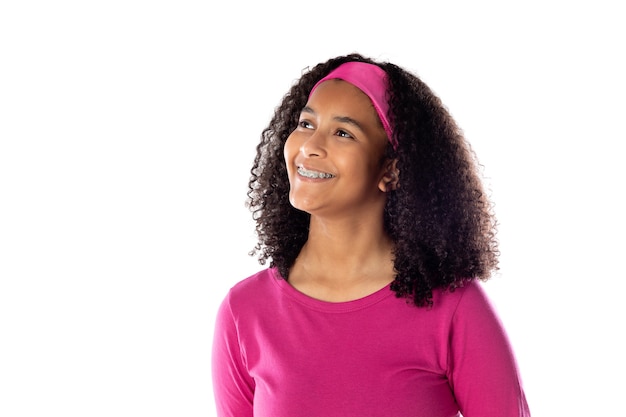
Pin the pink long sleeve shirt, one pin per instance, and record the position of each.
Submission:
(280, 353)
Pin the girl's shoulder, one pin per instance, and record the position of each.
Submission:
(253, 289)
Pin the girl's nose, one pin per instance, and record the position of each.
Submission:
(314, 145)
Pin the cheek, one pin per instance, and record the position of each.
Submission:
(357, 164)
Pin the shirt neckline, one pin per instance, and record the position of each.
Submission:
(330, 306)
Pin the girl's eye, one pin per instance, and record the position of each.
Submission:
(343, 134)
(305, 124)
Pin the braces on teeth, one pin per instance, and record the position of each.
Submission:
(313, 174)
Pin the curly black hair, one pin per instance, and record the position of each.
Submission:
(439, 218)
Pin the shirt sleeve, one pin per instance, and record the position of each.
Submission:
(482, 368)
(232, 385)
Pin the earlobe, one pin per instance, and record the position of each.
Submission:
(391, 178)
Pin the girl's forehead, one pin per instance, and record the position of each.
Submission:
(339, 93)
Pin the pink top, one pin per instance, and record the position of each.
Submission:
(280, 353)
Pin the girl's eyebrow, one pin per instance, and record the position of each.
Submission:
(341, 119)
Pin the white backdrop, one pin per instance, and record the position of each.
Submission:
(127, 130)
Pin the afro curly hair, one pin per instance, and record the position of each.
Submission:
(440, 218)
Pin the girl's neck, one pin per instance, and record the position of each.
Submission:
(339, 265)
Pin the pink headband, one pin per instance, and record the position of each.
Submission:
(371, 79)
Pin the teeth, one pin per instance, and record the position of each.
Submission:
(313, 174)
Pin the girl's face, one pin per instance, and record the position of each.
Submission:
(334, 156)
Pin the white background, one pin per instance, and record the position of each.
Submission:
(127, 130)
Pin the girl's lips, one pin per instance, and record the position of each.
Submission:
(313, 174)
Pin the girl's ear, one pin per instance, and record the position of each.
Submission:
(391, 177)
